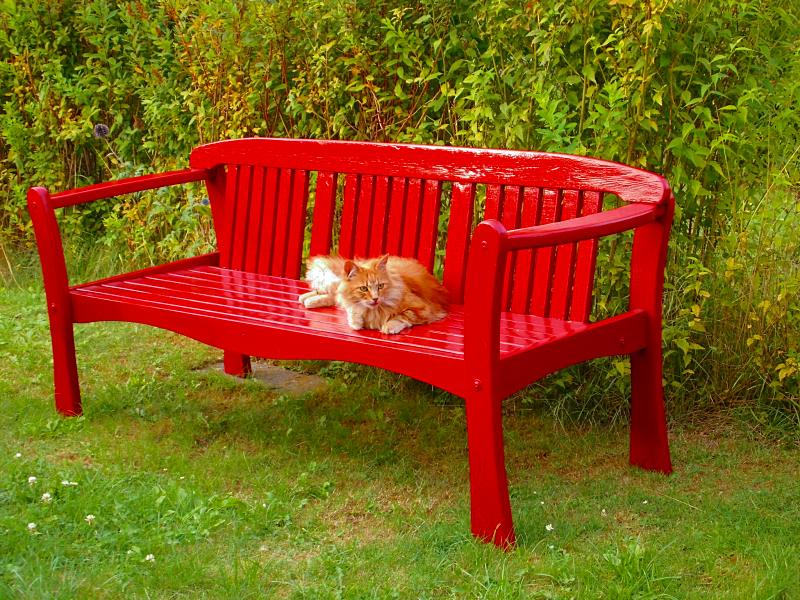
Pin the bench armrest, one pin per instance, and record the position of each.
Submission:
(90, 193)
(492, 243)
(578, 229)
(41, 207)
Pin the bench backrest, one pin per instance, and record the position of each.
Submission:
(369, 199)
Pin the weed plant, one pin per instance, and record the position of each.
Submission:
(706, 93)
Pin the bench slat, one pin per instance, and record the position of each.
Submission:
(265, 300)
(517, 331)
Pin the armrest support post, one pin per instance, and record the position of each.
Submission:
(51, 248)
(484, 287)
(59, 306)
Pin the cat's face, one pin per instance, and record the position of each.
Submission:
(368, 283)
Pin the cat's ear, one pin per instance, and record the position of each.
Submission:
(382, 262)
(350, 269)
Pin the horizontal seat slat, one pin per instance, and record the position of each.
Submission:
(270, 301)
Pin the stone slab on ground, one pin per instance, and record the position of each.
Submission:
(281, 379)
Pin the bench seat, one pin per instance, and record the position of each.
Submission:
(209, 303)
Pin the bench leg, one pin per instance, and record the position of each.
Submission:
(649, 444)
(65, 369)
(490, 507)
(236, 364)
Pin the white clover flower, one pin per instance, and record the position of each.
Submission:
(89, 519)
(150, 558)
(46, 497)
(551, 547)
(541, 502)
(604, 513)
(549, 527)
(68, 483)
(31, 527)
(32, 479)
(644, 501)
(18, 455)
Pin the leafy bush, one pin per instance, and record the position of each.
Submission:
(705, 93)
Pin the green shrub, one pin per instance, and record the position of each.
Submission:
(705, 93)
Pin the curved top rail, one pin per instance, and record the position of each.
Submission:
(445, 163)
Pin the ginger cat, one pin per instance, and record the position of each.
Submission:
(389, 293)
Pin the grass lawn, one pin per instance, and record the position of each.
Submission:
(202, 486)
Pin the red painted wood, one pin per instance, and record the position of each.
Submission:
(490, 507)
(397, 209)
(589, 227)
(499, 167)
(216, 185)
(254, 227)
(412, 221)
(297, 215)
(585, 264)
(524, 276)
(429, 224)
(544, 257)
(649, 445)
(511, 217)
(241, 217)
(350, 209)
(226, 239)
(324, 211)
(282, 222)
(564, 261)
(269, 222)
(380, 217)
(366, 206)
(59, 308)
(130, 185)
(523, 273)
(462, 206)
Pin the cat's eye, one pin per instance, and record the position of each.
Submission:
(380, 286)
(363, 288)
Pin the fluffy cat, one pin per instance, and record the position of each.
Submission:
(389, 293)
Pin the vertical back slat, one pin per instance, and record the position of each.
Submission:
(363, 219)
(269, 217)
(462, 207)
(294, 247)
(429, 227)
(255, 218)
(545, 263)
(324, 210)
(494, 198)
(523, 274)
(397, 209)
(224, 242)
(564, 269)
(510, 217)
(282, 222)
(352, 185)
(380, 215)
(411, 222)
(239, 229)
(585, 263)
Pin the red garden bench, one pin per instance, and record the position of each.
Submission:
(520, 281)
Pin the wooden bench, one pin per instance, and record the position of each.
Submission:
(520, 281)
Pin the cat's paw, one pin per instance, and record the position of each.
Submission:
(393, 326)
(319, 301)
(303, 298)
(355, 322)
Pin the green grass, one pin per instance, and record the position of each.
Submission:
(356, 492)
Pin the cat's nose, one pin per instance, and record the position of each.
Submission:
(374, 301)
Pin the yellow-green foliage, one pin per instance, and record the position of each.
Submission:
(704, 92)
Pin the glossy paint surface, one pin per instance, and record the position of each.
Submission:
(520, 282)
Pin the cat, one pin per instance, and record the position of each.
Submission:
(389, 293)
